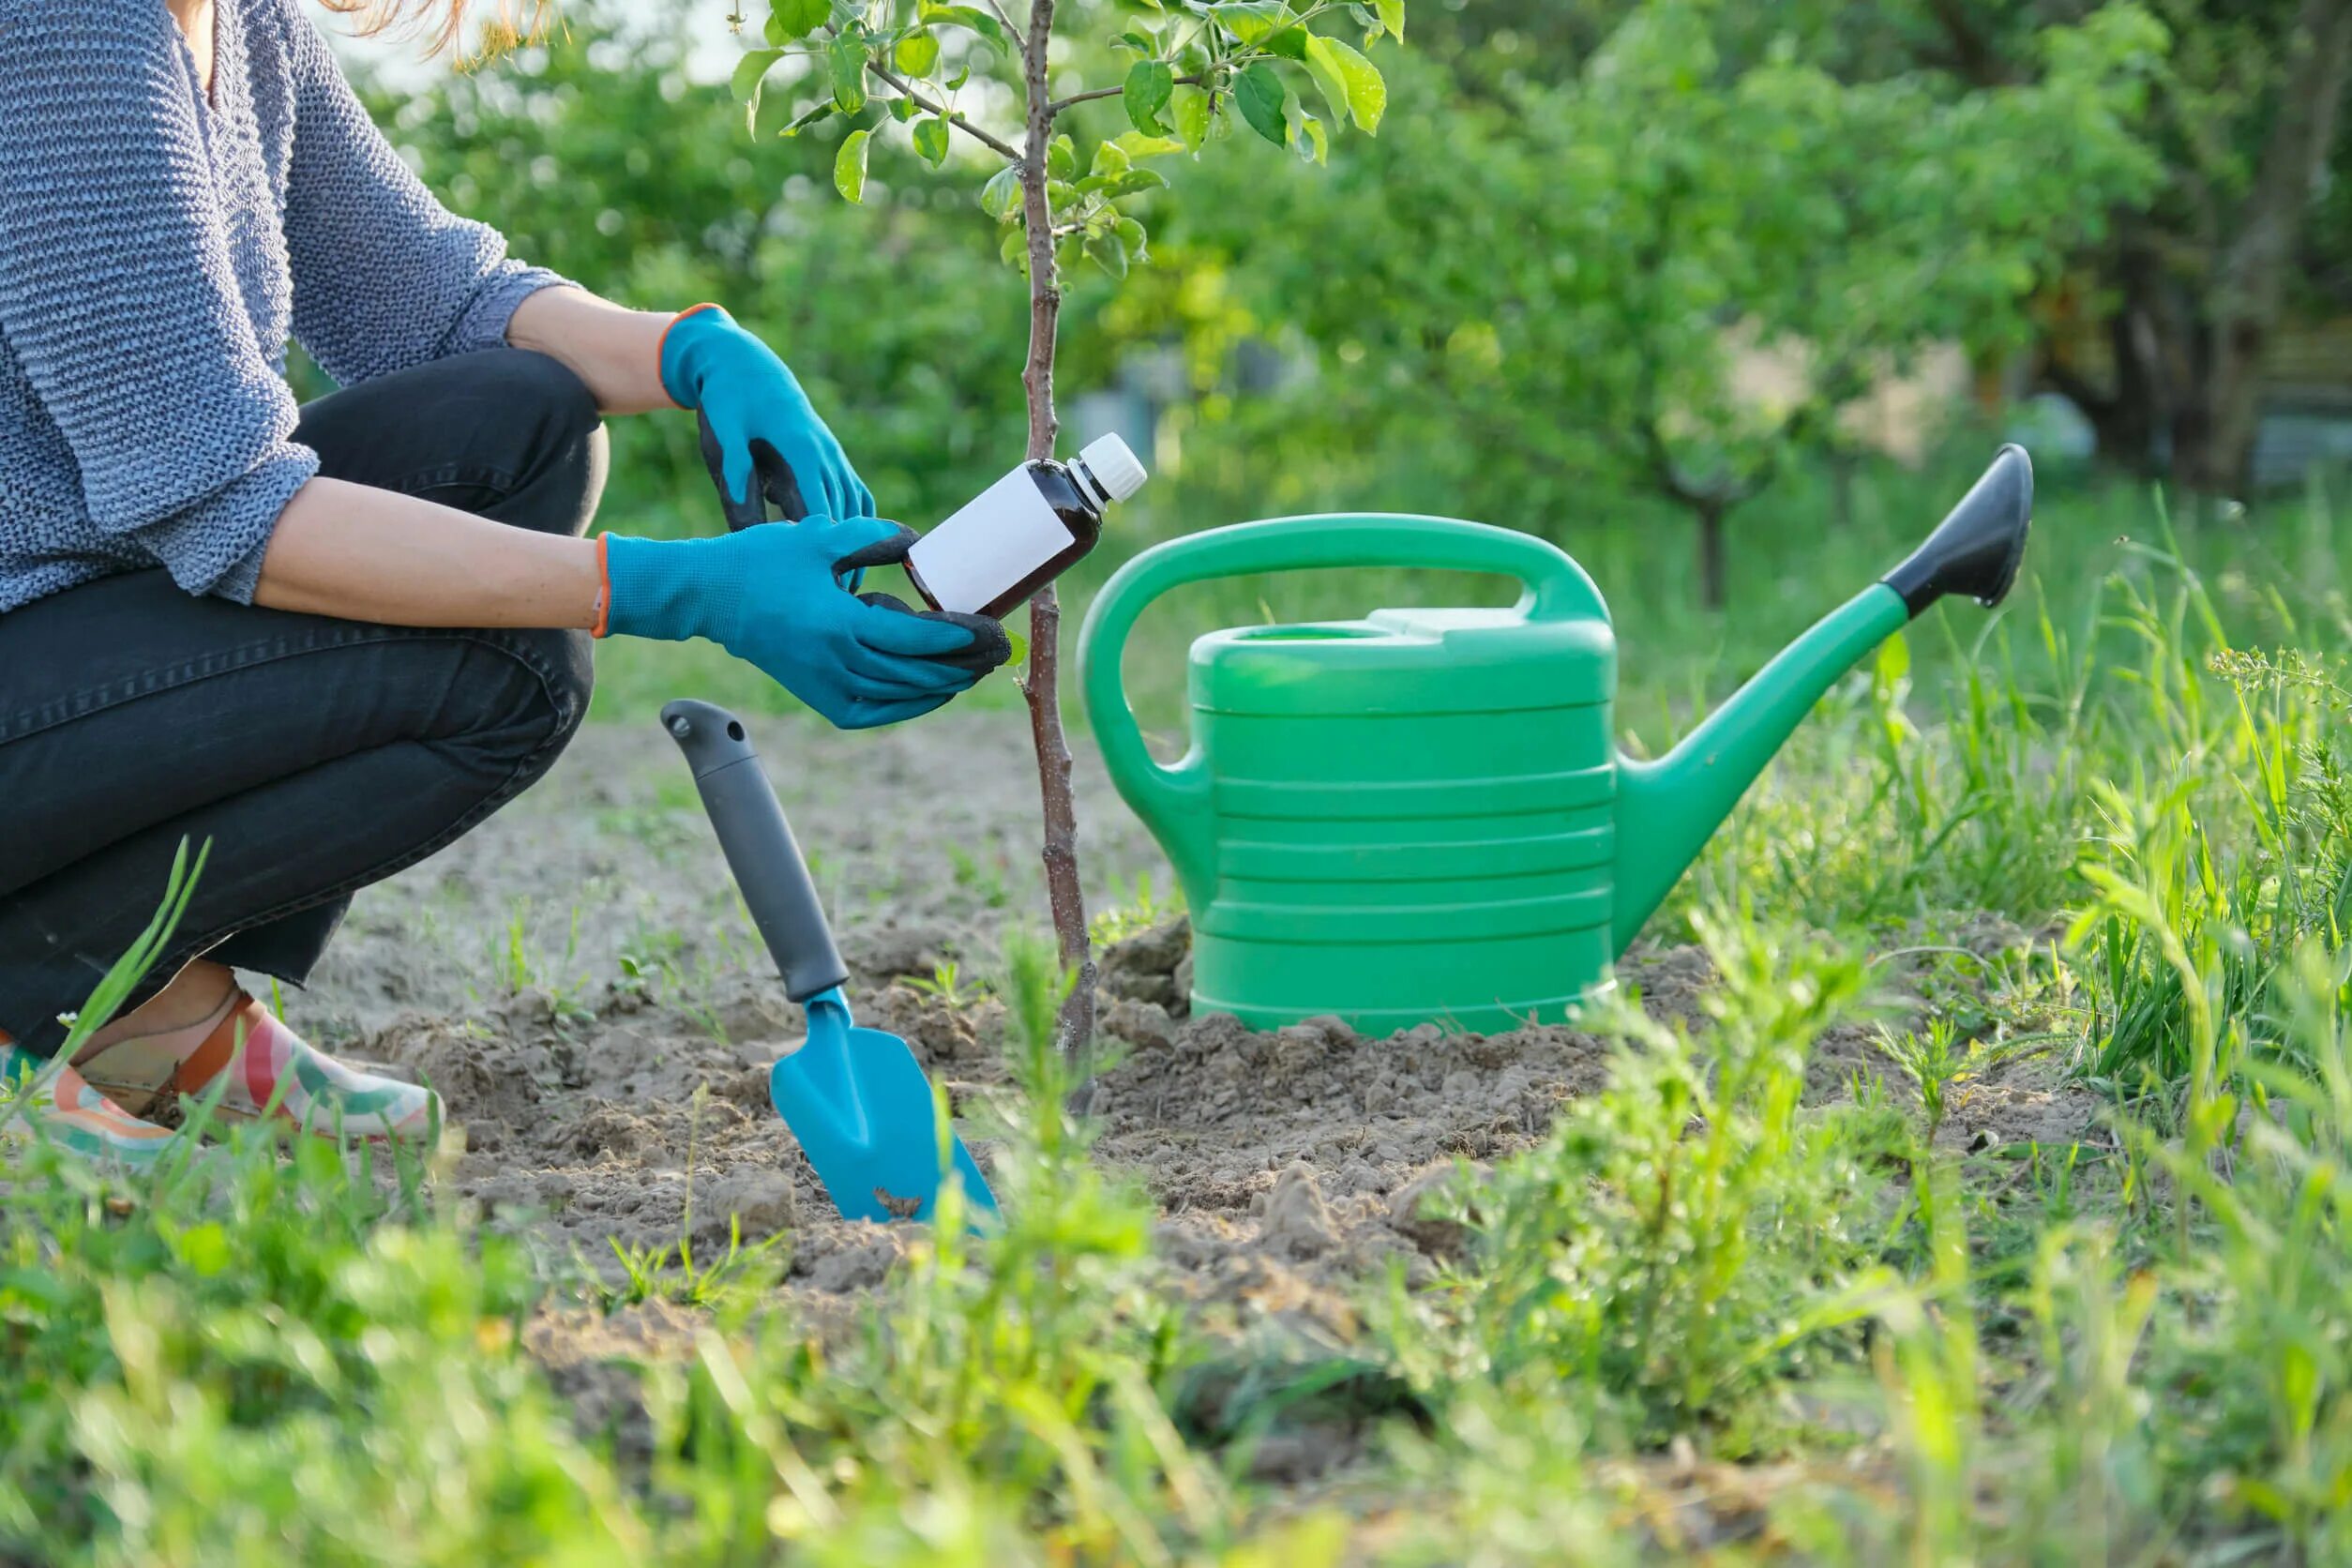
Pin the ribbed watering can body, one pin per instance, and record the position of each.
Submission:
(1398, 819)
(1413, 816)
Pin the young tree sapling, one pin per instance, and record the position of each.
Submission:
(1194, 65)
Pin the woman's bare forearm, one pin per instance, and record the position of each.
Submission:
(367, 554)
(617, 352)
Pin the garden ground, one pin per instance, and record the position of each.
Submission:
(1966, 1184)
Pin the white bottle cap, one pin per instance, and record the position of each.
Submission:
(1114, 465)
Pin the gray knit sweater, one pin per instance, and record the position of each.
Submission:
(158, 249)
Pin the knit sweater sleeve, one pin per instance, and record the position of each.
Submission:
(118, 300)
(385, 277)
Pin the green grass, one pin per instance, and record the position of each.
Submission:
(2109, 828)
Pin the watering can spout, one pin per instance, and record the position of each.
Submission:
(1976, 548)
(1668, 809)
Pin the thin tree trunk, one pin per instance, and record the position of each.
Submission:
(2250, 285)
(1042, 688)
(2147, 346)
(1711, 586)
(2143, 362)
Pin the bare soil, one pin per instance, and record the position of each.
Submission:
(580, 982)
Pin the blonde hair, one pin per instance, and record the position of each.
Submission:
(442, 23)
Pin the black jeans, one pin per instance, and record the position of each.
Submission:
(315, 755)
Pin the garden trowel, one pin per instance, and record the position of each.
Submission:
(856, 1099)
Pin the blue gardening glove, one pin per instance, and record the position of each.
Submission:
(749, 402)
(773, 598)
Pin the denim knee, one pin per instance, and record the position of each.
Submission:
(563, 411)
(566, 664)
(515, 699)
(559, 453)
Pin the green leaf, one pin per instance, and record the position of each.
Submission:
(824, 109)
(774, 29)
(1326, 74)
(1190, 108)
(1150, 83)
(1894, 660)
(1133, 183)
(1110, 159)
(917, 53)
(972, 17)
(744, 83)
(1313, 142)
(1135, 144)
(797, 19)
(1107, 251)
(1364, 92)
(930, 141)
(1015, 247)
(1131, 235)
(1291, 43)
(848, 165)
(1251, 20)
(849, 72)
(1259, 92)
(1391, 17)
(1001, 197)
(1062, 158)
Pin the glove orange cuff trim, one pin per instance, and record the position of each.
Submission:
(604, 591)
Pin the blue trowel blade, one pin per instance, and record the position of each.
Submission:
(859, 1104)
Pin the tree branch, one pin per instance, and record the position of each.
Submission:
(1020, 34)
(1002, 148)
(1054, 109)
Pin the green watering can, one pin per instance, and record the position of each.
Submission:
(1423, 815)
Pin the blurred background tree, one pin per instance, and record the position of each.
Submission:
(1566, 277)
(2185, 296)
(2168, 319)
(1610, 264)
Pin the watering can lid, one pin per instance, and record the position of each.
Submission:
(1406, 661)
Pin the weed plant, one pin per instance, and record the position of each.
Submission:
(1692, 1233)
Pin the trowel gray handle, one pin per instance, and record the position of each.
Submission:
(759, 846)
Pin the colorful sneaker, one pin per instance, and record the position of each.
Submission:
(72, 1115)
(261, 1061)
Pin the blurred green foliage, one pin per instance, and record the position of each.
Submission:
(1187, 73)
(598, 157)
(1550, 287)
(1518, 302)
(1460, 316)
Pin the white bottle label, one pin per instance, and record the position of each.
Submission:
(1006, 533)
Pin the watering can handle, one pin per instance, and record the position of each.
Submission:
(1558, 590)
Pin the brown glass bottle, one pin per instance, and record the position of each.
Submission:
(1023, 532)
